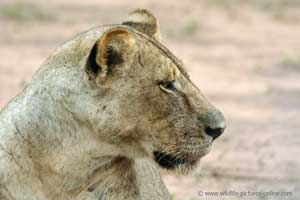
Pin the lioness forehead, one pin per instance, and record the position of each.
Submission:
(175, 65)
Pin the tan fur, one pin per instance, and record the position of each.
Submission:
(107, 39)
(87, 125)
(144, 21)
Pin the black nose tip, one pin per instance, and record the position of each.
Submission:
(214, 132)
(214, 123)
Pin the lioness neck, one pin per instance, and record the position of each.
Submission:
(56, 148)
(48, 148)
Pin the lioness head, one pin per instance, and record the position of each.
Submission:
(151, 106)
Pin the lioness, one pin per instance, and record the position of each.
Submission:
(99, 111)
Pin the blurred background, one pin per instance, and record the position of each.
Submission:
(243, 54)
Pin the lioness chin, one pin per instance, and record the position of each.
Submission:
(103, 111)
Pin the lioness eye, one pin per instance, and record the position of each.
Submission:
(168, 86)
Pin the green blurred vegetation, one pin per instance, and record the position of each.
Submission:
(279, 9)
(20, 11)
(291, 63)
(261, 4)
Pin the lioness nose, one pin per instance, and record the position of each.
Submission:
(215, 124)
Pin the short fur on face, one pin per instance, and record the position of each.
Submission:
(153, 94)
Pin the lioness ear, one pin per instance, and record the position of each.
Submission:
(113, 48)
(144, 21)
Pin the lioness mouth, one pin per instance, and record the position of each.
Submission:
(168, 161)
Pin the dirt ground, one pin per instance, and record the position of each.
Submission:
(243, 54)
